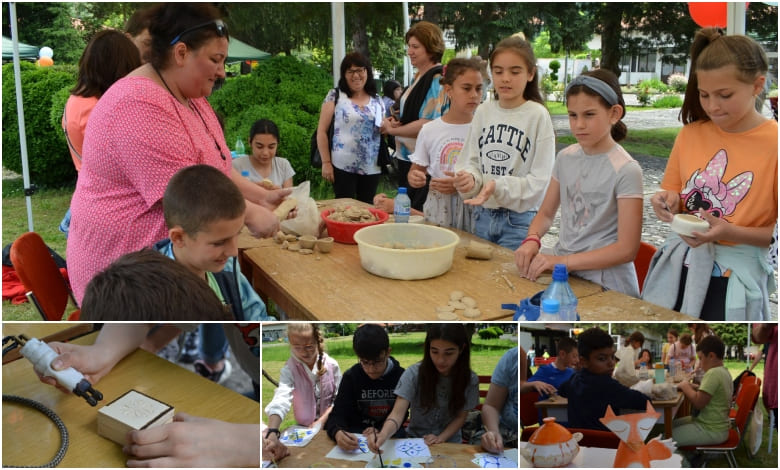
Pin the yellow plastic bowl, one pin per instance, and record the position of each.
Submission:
(406, 251)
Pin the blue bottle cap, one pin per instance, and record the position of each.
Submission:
(551, 306)
(401, 190)
(560, 273)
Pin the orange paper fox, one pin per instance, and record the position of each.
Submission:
(632, 430)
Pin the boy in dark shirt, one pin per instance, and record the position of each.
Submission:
(366, 393)
(591, 389)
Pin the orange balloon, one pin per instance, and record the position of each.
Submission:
(45, 62)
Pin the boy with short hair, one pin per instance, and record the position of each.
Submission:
(562, 369)
(712, 398)
(367, 391)
(169, 291)
(592, 388)
(204, 212)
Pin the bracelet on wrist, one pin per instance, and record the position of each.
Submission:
(532, 238)
(273, 430)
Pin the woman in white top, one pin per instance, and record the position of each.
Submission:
(350, 161)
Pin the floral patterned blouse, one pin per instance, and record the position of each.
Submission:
(356, 134)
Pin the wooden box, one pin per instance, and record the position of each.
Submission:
(133, 410)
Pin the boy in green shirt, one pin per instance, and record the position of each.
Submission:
(712, 398)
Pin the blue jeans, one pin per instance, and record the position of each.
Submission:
(502, 226)
(213, 344)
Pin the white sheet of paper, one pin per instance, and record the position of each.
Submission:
(486, 460)
(411, 447)
(298, 436)
(360, 454)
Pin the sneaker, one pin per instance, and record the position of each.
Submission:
(215, 376)
(188, 348)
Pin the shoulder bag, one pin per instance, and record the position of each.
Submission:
(314, 154)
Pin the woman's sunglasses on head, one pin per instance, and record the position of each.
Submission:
(219, 25)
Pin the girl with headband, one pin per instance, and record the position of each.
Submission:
(598, 187)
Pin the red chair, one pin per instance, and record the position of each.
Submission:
(597, 438)
(47, 288)
(746, 379)
(642, 261)
(529, 415)
(746, 402)
(483, 379)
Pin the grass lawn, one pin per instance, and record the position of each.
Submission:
(406, 348)
(655, 142)
(48, 208)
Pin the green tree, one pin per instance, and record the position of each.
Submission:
(279, 27)
(48, 24)
(95, 16)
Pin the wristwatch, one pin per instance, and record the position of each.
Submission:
(270, 430)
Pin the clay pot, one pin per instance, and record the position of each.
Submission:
(325, 244)
(307, 241)
(552, 445)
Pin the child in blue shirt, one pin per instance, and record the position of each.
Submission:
(562, 369)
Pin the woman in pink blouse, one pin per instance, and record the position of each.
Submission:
(146, 127)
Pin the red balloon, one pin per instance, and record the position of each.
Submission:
(707, 14)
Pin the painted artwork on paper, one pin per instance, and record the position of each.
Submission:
(298, 436)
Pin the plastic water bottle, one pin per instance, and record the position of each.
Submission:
(550, 310)
(659, 373)
(402, 206)
(560, 290)
(643, 375)
(240, 150)
(672, 369)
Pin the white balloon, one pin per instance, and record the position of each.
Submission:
(46, 52)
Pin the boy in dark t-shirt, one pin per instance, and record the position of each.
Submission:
(592, 388)
(366, 393)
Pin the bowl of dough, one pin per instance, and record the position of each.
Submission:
(343, 221)
(406, 251)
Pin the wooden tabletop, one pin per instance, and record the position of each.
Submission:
(669, 408)
(30, 438)
(313, 454)
(334, 286)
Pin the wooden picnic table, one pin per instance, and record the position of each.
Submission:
(30, 438)
(313, 454)
(334, 286)
(558, 407)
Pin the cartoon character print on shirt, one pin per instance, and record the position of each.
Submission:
(582, 204)
(251, 335)
(707, 190)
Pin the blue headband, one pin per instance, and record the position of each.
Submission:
(603, 90)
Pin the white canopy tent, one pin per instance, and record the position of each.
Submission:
(28, 190)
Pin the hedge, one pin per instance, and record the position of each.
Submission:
(283, 89)
(48, 157)
(286, 91)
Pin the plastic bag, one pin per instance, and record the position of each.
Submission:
(625, 373)
(755, 430)
(644, 386)
(664, 391)
(307, 222)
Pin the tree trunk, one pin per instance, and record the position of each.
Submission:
(610, 41)
(359, 36)
(432, 12)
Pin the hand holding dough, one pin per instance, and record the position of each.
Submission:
(285, 208)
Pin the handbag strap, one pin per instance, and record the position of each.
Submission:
(67, 137)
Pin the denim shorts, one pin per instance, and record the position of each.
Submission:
(502, 226)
